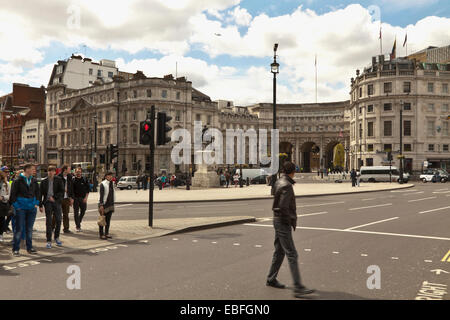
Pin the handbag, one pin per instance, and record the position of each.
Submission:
(101, 221)
(5, 209)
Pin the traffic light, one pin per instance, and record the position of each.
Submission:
(390, 158)
(113, 152)
(146, 132)
(102, 158)
(163, 128)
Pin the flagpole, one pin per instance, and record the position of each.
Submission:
(316, 76)
(381, 40)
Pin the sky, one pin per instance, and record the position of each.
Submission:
(225, 47)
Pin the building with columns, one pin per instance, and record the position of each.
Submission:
(421, 91)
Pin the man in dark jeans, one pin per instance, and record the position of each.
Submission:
(67, 202)
(81, 194)
(285, 218)
(25, 200)
(106, 204)
(52, 193)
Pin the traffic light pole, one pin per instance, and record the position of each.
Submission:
(152, 168)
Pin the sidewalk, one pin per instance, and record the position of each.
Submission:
(121, 231)
(246, 193)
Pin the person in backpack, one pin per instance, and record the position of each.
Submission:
(51, 195)
(81, 193)
(24, 198)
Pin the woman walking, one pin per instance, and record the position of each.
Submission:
(5, 190)
(106, 204)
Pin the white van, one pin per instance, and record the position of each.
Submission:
(382, 174)
(251, 173)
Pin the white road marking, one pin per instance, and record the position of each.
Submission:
(335, 252)
(428, 261)
(403, 191)
(410, 194)
(434, 210)
(360, 231)
(442, 189)
(364, 255)
(370, 207)
(311, 214)
(416, 200)
(308, 250)
(320, 204)
(236, 244)
(175, 239)
(369, 224)
(441, 192)
(369, 199)
(258, 246)
(195, 241)
(394, 258)
(214, 242)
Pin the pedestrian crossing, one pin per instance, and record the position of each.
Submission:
(446, 258)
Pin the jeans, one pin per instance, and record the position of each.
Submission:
(24, 224)
(79, 209)
(108, 222)
(65, 205)
(52, 211)
(284, 246)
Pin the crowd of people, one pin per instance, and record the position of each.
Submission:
(22, 196)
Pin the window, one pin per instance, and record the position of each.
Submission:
(99, 73)
(62, 140)
(209, 120)
(110, 74)
(91, 71)
(431, 147)
(387, 87)
(125, 115)
(445, 88)
(430, 87)
(100, 117)
(388, 128)
(125, 95)
(445, 128)
(68, 139)
(100, 137)
(370, 147)
(407, 147)
(82, 138)
(360, 130)
(387, 147)
(124, 135)
(360, 110)
(178, 115)
(134, 132)
(370, 108)
(370, 129)
(445, 107)
(445, 147)
(388, 107)
(406, 87)
(164, 94)
(407, 128)
(198, 117)
(135, 94)
(369, 162)
(370, 90)
(178, 95)
(108, 116)
(360, 92)
(134, 115)
(149, 93)
(63, 123)
(107, 137)
(430, 128)
(407, 106)
(430, 107)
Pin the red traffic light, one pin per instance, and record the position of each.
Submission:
(146, 127)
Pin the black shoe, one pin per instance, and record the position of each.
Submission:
(275, 284)
(108, 236)
(32, 251)
(67, 231)
(302, 291)
(16, 254)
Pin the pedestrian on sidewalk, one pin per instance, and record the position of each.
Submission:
(222, 180)
(5, 190)
(106, 204)
(353, 177)
(138, 182)
(51, 195)
(228, 178)
(67, 202)
(24, 198)
(285, 217)
(236, 180)
(81, 194)
(358, 178)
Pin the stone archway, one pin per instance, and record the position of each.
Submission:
(287, 147)
(310, 154)
(329, 153)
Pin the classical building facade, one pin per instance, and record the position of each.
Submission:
(378, 94)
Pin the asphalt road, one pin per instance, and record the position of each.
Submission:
(404, 234)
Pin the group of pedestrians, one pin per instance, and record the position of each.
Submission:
(54, 196)
(228, 179)
(356, 177)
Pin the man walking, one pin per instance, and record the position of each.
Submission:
(81, 194)
(285, 218)
(24, 198)
(353, 177)
(52, 193)
(67, 202)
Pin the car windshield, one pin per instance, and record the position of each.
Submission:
(123, 179)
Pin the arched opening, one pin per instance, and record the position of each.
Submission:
(329, 154)
(310, 157)
(286, 147)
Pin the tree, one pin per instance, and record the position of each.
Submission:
(339, 156)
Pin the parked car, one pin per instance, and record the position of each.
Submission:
(127, 182)
(434, 175)
(259, 179)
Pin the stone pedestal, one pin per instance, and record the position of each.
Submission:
(205, 179)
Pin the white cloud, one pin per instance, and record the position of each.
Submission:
(34, 77)
(240, 16)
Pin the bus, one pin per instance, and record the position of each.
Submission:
(382, 174)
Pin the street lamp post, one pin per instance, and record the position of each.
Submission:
(95, 154)
(275, 69)
(401, 142)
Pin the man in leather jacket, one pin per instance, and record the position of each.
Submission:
(285, 217)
